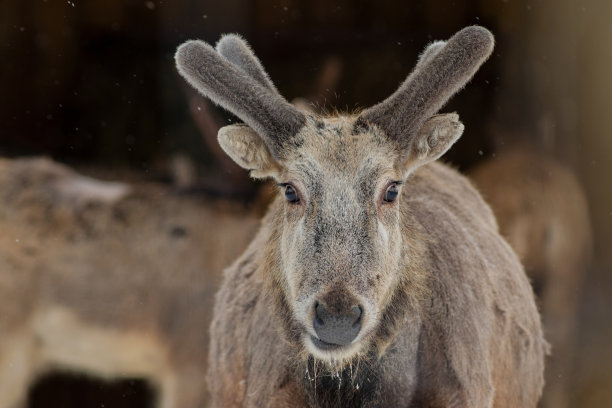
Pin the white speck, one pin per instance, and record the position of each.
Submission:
(71, 3)
(480, 152)
(150, 5)
(399, 43)
(204, 16)
(199, 108)
(17, 240)
(356, 386)
(285, 8)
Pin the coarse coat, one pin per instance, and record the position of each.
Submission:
(467, 334)
(446, 316)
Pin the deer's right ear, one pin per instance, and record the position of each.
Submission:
(248, 150)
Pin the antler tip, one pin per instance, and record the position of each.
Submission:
(229, 40)
(190, 54)
(479, 38)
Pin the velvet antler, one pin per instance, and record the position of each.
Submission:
(264, 110)
(237, 51)
(443, 69)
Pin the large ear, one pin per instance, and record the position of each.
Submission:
(248, 150)
(435, 137)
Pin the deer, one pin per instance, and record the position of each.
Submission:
(110, 280)
(543, 212)
(378, 276)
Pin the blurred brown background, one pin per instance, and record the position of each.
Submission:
(93, 84)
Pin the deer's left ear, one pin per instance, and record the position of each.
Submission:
(433, 139)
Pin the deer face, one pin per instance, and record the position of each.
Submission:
(341, 245)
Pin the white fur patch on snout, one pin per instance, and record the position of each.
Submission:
(337, 354)
(383, 235)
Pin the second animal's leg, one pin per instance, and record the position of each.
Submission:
(16, 369)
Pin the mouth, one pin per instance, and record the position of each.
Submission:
(330, 352)
(324, 345)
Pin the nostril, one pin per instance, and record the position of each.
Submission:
(357, 313)
(320, 315)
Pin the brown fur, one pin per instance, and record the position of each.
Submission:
(448, 317)
(107, 279)
(494, 355)
(542, 212)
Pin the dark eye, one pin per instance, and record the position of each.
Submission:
(291, 194)
(391, 193)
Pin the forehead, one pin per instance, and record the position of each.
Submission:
(335, 147)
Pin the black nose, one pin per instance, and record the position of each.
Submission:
(339, 329)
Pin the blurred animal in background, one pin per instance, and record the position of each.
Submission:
(542, 211)
(378, 278)
(109, 279)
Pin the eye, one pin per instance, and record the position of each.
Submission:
(391, 193)
(291, 195)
